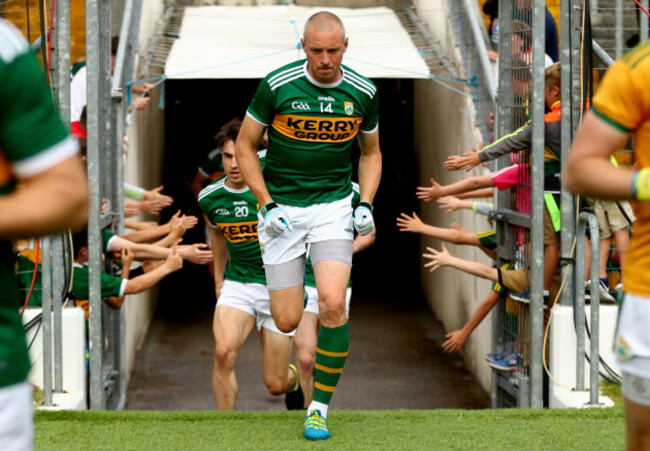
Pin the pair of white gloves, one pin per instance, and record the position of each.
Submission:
(276, 221)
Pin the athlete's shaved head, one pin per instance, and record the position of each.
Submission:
(324, 21)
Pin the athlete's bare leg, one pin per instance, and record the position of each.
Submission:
(276, 349)
(287, 306)
(305, 346)
(637, 421)
(231, 327)
(332, 279)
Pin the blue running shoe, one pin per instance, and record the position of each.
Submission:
(500, 356)
(316, 426)
(509, 364)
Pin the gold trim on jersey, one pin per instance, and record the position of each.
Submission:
(317, 129)
(239, 232)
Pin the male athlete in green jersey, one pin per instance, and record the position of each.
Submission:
(314, 110)
(35, 150)
(240, 284)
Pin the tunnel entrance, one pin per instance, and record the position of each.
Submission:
(196, 109)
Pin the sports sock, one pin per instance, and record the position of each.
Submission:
(331, 352)
(315, 405)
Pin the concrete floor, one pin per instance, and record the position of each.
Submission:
(395, 362)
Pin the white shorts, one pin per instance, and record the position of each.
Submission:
(632, 345)
(312, 300)
(319, 222)
(251, 298)
(17, 417)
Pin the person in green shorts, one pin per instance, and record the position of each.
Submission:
(37, 152)
(314, 109)
(240, 283)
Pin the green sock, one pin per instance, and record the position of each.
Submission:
(331, 352)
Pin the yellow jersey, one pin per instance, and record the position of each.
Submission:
(623, 101)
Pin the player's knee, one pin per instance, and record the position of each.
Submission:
(306, 361)
(332, 306)
(224, 357)
(287, 324)
(275, 385)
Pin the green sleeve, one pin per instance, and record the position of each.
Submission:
(261, 107)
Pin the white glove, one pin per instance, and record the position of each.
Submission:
(276, 221)
(364, 223)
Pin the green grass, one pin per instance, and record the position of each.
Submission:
(516, 429)
(613, 391)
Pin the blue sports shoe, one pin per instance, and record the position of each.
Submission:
(500, 356)
(509, 364)
(316, 426)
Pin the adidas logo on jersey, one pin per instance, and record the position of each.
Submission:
(221, 212)
(300, 106)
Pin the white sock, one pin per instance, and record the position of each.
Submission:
(315, 405)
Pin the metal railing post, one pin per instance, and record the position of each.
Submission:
(583, 220)
(46, 296)
(57, 289)
(537, 212)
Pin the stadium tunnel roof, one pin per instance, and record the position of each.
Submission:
(226, 42)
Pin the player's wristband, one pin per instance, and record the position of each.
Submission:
(640, 185)
(366, 204)
(268, 207)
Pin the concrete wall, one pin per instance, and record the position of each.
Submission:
(443, 126)
(143, 167)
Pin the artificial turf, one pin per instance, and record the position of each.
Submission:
(519, 429)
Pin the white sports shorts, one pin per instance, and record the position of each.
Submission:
(17, 417)
(312, 300)
(318, 222)
(632, 343)
(251, 298)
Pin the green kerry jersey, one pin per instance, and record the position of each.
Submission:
(310, 281)
(312, 127)
(32, 140)
(234, 212)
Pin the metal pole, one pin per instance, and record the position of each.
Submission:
(567, 200)
(643, 33)
(94, 263)
(594, 340)
(579, 313)
(481, 49)
(601, 53)
(46, 267)
(57, 289)
(503, 122)
(62, 51)
(537, 219)
(619, 28)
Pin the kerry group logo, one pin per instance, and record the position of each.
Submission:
(317, 129)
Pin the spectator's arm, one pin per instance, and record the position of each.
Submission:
(469, 184)
(116, 302)
(480, 193)
(137, 285)
(518, 140)
(458, 338)
(444, 258)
